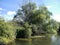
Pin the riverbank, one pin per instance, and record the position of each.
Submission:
(37, 36)
(29, 39)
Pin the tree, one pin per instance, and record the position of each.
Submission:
(24, 13)
(52, 26)
(39, 19)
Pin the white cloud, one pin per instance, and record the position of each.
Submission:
(56, 17)
(1, 9)
(11, 13)
(48, 6)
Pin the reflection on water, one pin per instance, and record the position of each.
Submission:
(53, 40)
(56, 40)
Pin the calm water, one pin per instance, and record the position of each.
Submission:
(52, 40)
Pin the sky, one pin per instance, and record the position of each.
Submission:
(8, 8)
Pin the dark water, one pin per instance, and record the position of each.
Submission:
(52, 40)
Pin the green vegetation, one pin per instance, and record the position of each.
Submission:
(7, 32)
(26, 30)
(28, 21)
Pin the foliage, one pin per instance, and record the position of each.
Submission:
(24, 31)
(7, 31)
(27, 22)
(39, 19)
(52, 26)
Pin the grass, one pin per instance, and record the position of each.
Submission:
(24, 39)
(37, 36)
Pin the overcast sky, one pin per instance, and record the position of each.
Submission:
(8, 8)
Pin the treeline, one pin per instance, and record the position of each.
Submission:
(29, 20)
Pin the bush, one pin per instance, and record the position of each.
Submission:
(7, 32)
(24, 31)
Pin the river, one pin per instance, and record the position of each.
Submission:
(52, 40)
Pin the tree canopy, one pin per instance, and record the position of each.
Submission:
(30, 20)
(37, 16)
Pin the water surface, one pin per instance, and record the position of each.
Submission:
(52, 40)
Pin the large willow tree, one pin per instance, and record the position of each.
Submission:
(38, 17)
